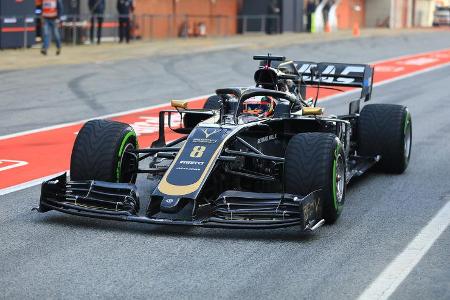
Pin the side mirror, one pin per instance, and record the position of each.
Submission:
(179, 104)
(312, 111)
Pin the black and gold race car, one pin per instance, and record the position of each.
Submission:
(255, 157)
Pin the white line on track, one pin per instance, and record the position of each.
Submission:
(28, 184)
(127, 112)
(387, 81)
(204, 96)
(393, 275)
(13, 164)
(401, 57)
(40, 180)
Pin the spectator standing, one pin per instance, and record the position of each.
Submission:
(310, 8)
(325, 12)
(38, 5)
(97, 9)
(51, 14)
(124, 8)
(273, 11)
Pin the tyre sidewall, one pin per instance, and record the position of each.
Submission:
(310, 165)
(407, 130)
(382, 130)
(333, 207)
(128, 138)
(98, 150)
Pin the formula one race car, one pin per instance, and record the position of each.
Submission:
(256, 157)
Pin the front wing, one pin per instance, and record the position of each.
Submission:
(232, 209)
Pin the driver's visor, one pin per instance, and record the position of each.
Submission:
(252, 106)
(263, 105)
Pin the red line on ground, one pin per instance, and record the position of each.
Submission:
(106, 24)
(48, 152)
(18, 29)
(110, 24)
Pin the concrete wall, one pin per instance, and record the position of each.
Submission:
(424, 13)
(390, 13)
(292, 15)
(401, 13)
(157, 26)
(165, 18)
(219, 17)
(378, 13)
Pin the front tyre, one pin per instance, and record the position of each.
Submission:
(317, 161)
(103, 151)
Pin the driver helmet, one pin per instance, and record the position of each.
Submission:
(260, 106)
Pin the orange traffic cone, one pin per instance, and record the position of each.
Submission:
(327, 27)
(356, 31)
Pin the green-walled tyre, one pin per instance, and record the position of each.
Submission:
(103, 151)
(316, 161)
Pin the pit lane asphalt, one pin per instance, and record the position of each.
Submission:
(35, 98)
(59, 256)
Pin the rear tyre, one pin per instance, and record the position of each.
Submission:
(102, 152)
(386, 130)
(317, 161)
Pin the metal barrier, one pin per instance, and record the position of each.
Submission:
(259, 23)
(75, 29)
(17, 31)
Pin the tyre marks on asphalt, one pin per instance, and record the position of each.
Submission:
(75, 85)
(47, 151)
(183, 77)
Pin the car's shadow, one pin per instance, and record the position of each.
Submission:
(93, 225)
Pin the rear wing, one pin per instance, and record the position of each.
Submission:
(337, 74)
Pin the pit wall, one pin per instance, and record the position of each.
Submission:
(186, 17)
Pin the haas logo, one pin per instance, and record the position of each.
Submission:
(208, 134)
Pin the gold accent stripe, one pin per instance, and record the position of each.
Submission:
(178, 190)
(312, 111)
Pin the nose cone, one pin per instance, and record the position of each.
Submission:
(173, 205)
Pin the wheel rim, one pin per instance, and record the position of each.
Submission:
(126, 164)
(339, 179)
(407, 144)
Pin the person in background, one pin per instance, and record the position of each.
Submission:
(38, 12)
(310, 8)
(273, 10)
(124, 8)
(51, 14)
(97, 9)
(325, 12)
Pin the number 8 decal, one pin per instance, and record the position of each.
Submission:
(197, 151)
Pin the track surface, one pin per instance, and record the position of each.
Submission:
(55, 255)
(28, 156)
